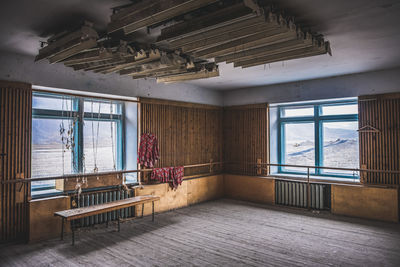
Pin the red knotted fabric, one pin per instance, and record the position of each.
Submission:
(148, 152)
(171, 175)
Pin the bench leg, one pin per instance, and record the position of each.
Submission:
(73, 232)
(152, 211)
(142, 209)
(62, 228)
(119, 219)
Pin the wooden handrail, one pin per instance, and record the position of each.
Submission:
(87, 175)
(314, 167)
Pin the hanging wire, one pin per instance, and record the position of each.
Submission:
(95, 143)
(97, 135)
(112, 136)
(62, 130)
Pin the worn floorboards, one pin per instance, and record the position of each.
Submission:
(222, 233)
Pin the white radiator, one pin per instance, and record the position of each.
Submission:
(296, 194)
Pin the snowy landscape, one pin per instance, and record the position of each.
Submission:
(340, 147)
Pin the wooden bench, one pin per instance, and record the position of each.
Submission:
(74, 214)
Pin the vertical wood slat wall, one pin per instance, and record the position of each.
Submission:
(381, 150)
(245, 138)
(15, 150)
(187, 133)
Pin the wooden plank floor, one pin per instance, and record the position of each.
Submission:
(222, 233)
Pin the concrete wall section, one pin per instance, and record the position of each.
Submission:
(378, 82)
(250, 188)
(376, 203)
(15, 67)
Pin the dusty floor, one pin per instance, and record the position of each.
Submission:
(222, 233)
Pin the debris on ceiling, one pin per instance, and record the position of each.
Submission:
(192, 36)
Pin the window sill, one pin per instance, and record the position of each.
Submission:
(46, 193)
(315, 179)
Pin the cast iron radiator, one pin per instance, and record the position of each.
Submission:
(295, 194)
(95, 198)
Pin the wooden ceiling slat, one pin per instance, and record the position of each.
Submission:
(265, 50)
(226, 16)
(71, 51)
(246, 32)
(295, 54)
(160, 11)
(67, 41)
(133, 9)
(215, 32)
(90, 56)
(253, 41)
(228, 37)
(153, 56)
(189, 76)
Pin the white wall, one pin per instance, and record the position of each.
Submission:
(378, 82)
(15, 67)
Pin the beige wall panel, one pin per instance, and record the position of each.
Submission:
(204, 189)
(366, 202)
(250, 188)
(169, 199)
(190, 192)
(43, 224)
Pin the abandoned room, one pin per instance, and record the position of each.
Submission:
(199, 133)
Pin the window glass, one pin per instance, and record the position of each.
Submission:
(299, 146)
(340, 146)
(297, 112)
(52, 103)
(100, 145)
(100, 134)
(328, 138)
(49, 156)
(107, 107)
(339, 109)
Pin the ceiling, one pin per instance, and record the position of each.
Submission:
(364, 36)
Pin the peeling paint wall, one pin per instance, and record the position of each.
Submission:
(377, 82)
(14, 67)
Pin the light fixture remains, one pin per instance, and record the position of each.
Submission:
(193, 36)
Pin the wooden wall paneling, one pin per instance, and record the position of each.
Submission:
(187, 133)
(380, 150)
(245, 138)
(15, 150)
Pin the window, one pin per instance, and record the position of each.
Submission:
(102, 130)
(74, 135)
(318, 134)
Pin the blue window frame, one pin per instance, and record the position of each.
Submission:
(97, 123)
(322, 134)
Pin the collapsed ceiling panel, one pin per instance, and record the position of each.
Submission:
(191, 38)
